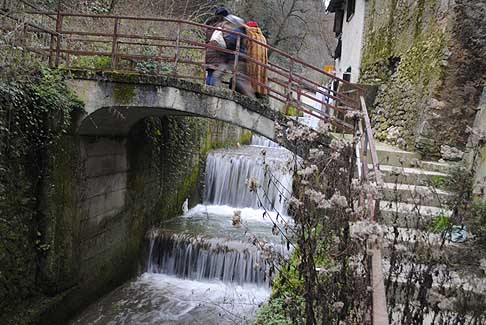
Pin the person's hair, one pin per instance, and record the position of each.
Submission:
(221, 11)
(214, 20)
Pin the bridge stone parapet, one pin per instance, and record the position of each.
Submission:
(114, 102)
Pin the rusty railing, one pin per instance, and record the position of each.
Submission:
(165, 46)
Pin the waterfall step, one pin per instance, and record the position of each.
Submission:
(198, 258)
(227, 172)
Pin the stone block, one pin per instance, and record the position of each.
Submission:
(104, 205)
(106, 165)
(95, 186)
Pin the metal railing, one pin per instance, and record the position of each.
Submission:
(371, 205)
(177, 48)
(148, 44)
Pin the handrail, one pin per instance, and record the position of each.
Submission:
(188, 22)
(379, 309)
(294, 83)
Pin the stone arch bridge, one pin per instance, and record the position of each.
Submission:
(114, 102)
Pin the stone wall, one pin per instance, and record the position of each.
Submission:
(102, 196)
(476, 154)
(428, 58)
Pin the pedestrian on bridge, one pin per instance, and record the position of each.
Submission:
(215, 59)
(258, 54)
(237, 26)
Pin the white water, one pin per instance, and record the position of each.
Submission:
(227, 172)
(201, 268)
(258, 140)
(195, 258)
(155, 298)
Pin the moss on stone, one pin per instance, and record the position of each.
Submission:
(403, 55)
(123, 93)
(245, 138)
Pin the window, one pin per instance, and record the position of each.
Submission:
(347, 74)
(350, 6)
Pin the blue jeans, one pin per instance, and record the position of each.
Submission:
(210, 77)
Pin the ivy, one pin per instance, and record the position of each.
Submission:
(35, 112)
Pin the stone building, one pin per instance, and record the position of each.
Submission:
(349, 19)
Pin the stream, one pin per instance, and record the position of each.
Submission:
(201, 268)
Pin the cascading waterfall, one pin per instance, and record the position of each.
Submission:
(227, 172)
(197, 259)
(258, 140)
(201, 268)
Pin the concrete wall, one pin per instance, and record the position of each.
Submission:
(104, 193)
(352, 40)
(102, 198)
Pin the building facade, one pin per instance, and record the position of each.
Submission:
(349, 22)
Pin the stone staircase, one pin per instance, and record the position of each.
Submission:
(413, 191)
(413, 196)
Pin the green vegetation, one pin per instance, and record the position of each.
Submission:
(441, 223)
(293, 111)
(438, 181)
(478, 213)
(273, 313)
(245, 138)
(92, 62)
(35, 115)
(123, 93)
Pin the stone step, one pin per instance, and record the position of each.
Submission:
(450, 292)
(444, 277)
(410, 215)
(434, 166)
(419, 246)
(393, 156)
(414, 194)
(413, 176)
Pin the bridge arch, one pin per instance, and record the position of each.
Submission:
(114, 102)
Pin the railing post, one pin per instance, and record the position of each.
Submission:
(289, 86)
(379, 310)
(235, 64)
(176, 57)
(159, 60)
(299, 94)
(60, 18)
(114, 46)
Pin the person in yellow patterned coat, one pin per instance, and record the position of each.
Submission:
(258, 53)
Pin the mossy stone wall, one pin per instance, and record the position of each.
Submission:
(411, 52)
(83, 254)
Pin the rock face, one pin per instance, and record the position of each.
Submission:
(451, 153)
(429, 60)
